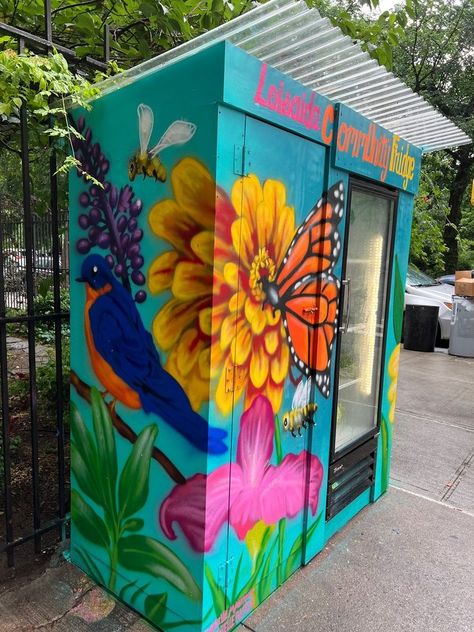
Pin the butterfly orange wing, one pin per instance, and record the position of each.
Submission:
(307, 290)
(310, 319)
(317, 243)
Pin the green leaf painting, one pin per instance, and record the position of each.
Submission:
(278, 447)
(133, 483)
(103, 507)
(269, 569)
(385, 434)
(264, 587)
(155, 607)
(134, 524)
(294, 558)
(84, 460)
(147, 555)
(398, 302)
(219, 598)
(89, 564)
(281, 544)
(107, 463)
(89, 524)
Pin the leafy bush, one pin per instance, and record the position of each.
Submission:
(47, 396)
(16, 329)
(44, 304)
(46, 383)
(15, 443)
(427, 247)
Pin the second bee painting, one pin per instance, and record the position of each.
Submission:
(147, 162)
(302, 409)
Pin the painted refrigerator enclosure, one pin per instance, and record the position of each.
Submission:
(210, 241)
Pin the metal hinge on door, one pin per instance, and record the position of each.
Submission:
(234, 378)
(225, 573)
(241, 160)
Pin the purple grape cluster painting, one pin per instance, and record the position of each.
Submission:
(109, 216)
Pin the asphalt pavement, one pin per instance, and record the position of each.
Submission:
(405, 564)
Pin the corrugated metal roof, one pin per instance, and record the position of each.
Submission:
(296, 40)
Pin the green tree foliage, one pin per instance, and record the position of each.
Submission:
(139, 29)
(429, 44)
(466, 233)
(376, 34)
(11, 201)
(436, 60)
(36, 87)
(430, 214)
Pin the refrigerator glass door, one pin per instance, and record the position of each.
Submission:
(362, 321)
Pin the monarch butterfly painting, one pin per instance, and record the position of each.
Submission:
(305, 291)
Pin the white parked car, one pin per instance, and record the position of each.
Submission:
(421, 289)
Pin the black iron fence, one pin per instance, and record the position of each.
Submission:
(34, 344)
(14, 258)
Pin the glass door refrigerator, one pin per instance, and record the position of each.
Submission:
(361, 337)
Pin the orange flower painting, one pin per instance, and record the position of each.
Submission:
(183, 326)
(218, 315)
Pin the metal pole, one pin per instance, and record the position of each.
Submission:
(57, 336)
(28, 227)
(5, 412)
(106, 43)
(48, 24)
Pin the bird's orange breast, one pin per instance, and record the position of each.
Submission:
(107, 376)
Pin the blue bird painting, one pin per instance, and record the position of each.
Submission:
(127, 363)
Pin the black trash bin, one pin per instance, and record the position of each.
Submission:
(420, 327)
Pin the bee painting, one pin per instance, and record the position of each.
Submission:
(302, 409)
(146, 161)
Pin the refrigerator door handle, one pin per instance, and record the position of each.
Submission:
(347, 288)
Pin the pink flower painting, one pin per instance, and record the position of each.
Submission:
(259, 491)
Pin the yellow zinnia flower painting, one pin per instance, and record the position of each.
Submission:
(393, 367)
(250, 334)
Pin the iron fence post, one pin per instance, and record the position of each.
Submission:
(26, 237)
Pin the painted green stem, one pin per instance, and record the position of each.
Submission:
(281, 544)
(113, 554)
(385, 431)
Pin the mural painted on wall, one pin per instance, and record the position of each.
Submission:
(260, 492)
(392, 367)
(279, 270)
(107, 500)
(256, 291)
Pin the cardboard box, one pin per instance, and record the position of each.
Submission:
(462, 274)
(464, 287)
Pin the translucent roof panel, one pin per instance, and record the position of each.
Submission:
(296, 40)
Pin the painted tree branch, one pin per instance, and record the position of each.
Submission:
(84, 390)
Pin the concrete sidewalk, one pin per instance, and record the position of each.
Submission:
(405, 564)
(435, 413)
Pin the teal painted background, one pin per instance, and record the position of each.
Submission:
(392, 345)
(265, 92)
(367, 149)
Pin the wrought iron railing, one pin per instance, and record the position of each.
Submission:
(33, 270)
